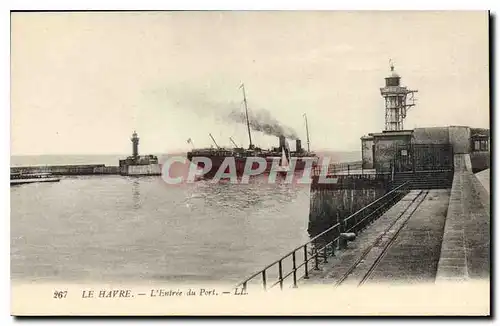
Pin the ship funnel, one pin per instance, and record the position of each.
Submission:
(282, 142)
(298, 146)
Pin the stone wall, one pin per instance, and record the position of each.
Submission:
(367, 152)
(433, 135)
(460, 139)
(480, 161)
(466, 240)
(328, 206)
(84, 169)
(150, 169)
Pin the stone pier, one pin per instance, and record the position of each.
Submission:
(332, 202)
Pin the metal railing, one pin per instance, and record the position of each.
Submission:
(317, 250)
(340, 168)
(347, 166)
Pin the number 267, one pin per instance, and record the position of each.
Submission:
(60, 294)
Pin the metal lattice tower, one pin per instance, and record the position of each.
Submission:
(398, 100)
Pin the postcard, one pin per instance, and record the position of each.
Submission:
(181, 163)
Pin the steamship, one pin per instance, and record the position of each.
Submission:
(282, 153)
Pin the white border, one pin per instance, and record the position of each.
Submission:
(250, 5)
(178, 5)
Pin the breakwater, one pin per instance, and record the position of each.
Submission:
(83, 169)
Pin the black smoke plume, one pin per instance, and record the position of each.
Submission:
(263, 121)
(203, 105)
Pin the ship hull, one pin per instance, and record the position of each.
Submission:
(221, 167)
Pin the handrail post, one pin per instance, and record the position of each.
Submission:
(316, 262)
(341, 230)
(294, 270)
(306, 272)
(325, 254)
(367, 216)
(264, 281)
(332, 245)
(244, 287)
(280, 271)
(356, 220)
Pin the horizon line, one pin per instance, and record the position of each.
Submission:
(155, 152)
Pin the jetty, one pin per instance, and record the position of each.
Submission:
(134, 165)
(79, 169)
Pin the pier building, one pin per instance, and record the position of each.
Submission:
(137, 165)
(416, 149)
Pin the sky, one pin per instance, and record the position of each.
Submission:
(82, 82)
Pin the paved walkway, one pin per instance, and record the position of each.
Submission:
(412, 257)
(447, 238)
(415, 253)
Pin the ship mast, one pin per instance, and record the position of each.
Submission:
(246, 112)
(307, 131)
(214, 141)
(232, 141)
